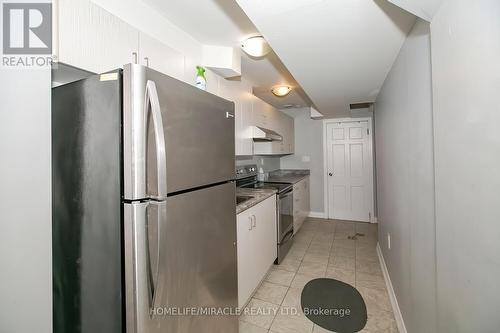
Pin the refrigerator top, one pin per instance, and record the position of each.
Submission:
(176, 137)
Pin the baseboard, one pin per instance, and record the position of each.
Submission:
(392, 296)
(322, 215)
(318, 215)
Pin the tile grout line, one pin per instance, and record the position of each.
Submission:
(331, 255)
(331, 247)
(289, 287)
(356, 261)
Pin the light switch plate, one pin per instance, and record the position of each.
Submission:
(306, 159)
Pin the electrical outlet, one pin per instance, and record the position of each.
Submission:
(306, 158)
(389, 241)
(261, 161)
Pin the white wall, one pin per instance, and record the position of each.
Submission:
(309, 143)
(405, 180)
(25, 202)
(466, 84)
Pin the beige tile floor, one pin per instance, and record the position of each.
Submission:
(321, 249)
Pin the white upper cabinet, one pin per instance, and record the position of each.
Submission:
(261, 113)
(88, 37)
(160, 57)
(264, 115)
(244, 140)
(223, 60)
(286, 129)
(237, 91)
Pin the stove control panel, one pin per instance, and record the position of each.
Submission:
(246, 171)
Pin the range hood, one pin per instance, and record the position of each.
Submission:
(261, 134)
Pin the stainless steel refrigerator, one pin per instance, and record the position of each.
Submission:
(144, 222)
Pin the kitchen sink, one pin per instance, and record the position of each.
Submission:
(242, 198)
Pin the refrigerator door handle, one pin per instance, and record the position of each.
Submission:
(152, 276)
(144, 280)
(151, 99)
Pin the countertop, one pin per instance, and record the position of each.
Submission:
(258, 195)
(288, 175)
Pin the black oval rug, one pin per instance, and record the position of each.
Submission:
(334, 305)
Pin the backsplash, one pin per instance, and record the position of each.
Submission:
(267, 163)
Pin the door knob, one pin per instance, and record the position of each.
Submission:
(330, 174)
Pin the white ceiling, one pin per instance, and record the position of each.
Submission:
(425, 9)
(269, 71)
(222, 22)
(211, 22)
(339, 51)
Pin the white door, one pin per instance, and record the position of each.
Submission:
(350, 171)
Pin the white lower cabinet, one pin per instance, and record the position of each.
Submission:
(257, 249)
(301, 204)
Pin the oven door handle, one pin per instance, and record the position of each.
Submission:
(285, 194)
(287, 236)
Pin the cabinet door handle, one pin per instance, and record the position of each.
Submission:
(254, 225)
(134, 54)
(146, 59)
(250, 224)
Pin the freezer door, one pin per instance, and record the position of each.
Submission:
(194, 144)
(182, 256)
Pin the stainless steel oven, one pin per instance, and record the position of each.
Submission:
(285, 222)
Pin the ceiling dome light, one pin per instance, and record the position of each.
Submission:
(281, 91)
(256, 46)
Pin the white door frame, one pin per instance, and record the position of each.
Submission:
(370, 155)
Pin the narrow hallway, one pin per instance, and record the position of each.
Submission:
(322, 248)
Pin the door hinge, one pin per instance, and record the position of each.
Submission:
(368, 131)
